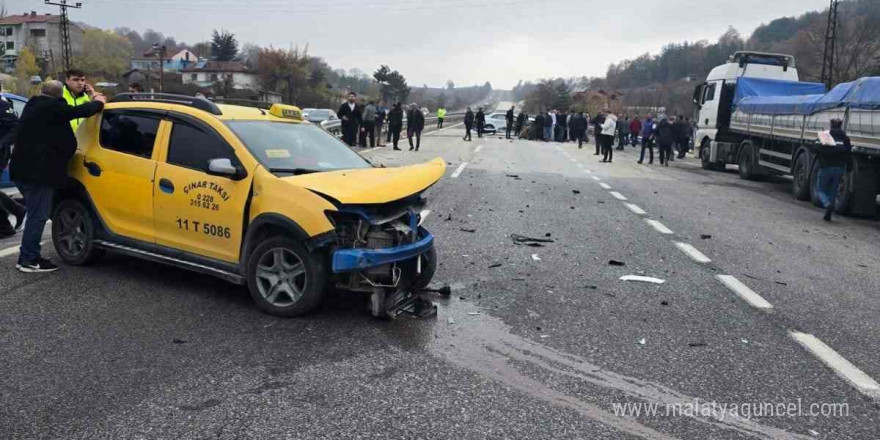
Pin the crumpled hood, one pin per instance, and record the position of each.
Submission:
(373, 185)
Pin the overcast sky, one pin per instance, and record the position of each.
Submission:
(429, 42)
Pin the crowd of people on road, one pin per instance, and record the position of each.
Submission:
(363, 124)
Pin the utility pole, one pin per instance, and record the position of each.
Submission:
(830, 45)
(159, 51)
(65, 29)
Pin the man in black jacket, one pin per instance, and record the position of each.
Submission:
(481, 122)
(415, 123)
(665, 138)
(578, 127)
(832, 165)
(520, 123)
(350, 114)
(43, 147)
(508, 118)
(395, 124)
(468, 124)
(8, 125)
(597, 131)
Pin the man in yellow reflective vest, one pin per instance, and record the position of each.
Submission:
(77, 92)
(441, 114)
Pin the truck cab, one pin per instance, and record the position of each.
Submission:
(713, 98)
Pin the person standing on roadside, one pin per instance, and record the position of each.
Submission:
(665, 138)
(368, 128)
(648, 139)
(520, 122)
(441, 115)
(562, 126)
(8, 126)
(415, 123)
(609, 129)
(635, 127)
(598, 121)
(622, 131)
(684, 141)
(395, 124)
(578, 127)
(538, 126)
(833, 160)
(381, 114)
(481, 122)
(350, 114)
(468, 124)
(77, 91)
(44, 145)
(508, 119)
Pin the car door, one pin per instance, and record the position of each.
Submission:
(197, 212)
(119, 171)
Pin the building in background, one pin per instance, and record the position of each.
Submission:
(177, 62)
(40, 32)
(208, 73)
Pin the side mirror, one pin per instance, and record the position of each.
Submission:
(698, 95)
(222, 167)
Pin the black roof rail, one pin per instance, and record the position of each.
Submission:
(244, 102)
(169, 98)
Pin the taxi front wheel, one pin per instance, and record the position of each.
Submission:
(284, 278)
(73, 234)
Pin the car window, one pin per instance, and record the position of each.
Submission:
(287, 146)
(192, 147)
(129, 132)
(17, 106)
(710, 93)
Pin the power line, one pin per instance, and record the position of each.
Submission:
(65, 29)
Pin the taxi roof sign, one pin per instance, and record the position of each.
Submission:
(286, 112)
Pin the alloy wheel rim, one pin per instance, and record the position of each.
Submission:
(73, 235)
(281, 277)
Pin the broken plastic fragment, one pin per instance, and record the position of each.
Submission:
(536, 257)
(449, 320)
(641, 279)
(474, 313)
(616, 263)
(642, 341)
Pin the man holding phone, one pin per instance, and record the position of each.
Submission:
(77, 92)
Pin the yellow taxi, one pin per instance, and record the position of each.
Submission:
(258, 197)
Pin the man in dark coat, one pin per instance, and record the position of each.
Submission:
(684, 140)
(508, 118)
(520, 122)
(665, 138)
(351, 115)
(539, 126)
(578, 127)
(597, 127)
(468, 123)
(415, 123)
(833, 160)
(43, 147)
(395, 124)
(481, 122)
(8, 125)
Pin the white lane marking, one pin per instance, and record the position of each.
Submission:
(459, 170)
(660, 227)
(8, 252)
(477, 150)
(692, 252)
(838, 363)
(615, 194)
(635, 209)
(572, 159)
(743, 291)
(605, 186)
(596, 178)
(424, 215)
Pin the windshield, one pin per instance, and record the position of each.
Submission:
(318, 115)
(295, 148)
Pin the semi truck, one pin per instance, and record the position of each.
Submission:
(755, 113)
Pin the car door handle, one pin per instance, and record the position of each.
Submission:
(93, 167)
(166, 186)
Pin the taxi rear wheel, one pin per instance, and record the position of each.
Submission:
(284, 279)
(73, 234)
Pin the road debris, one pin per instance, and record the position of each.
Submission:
(641, 279)
(449, 320)
(616, 263)
(642, 341)
(468, 230)
(744, 341)
(698, 344)
(591, 287)
(178, 341)
(550, 235)
(522, 239)
(545, 336)
(495, 265)
(536, 257)
(705, 236)
(781, 283)
(448, 218)
(575, 191)
(664, 303)
(474, 313)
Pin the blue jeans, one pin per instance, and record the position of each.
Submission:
(38, 200)
(826, 184)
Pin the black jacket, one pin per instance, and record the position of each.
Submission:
(415, 120)
(562, 120)
(45, 142)
(665, 133)
(836, 156)
(395, 118)
(481, 118)
(469, 118)
(350, 116)
(578, 125)
(521, 119)
(509, 116)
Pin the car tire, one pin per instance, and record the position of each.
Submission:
(746, 164)
(429, 267)
(705, 160)
(285, 279)
(843, 203)
(73, 234)
(800, 183)
(814, 177)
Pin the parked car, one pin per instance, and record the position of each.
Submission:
(318, 115)
(495, 123)
(18, 103)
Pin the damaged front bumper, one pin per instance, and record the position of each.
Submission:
(350, 260)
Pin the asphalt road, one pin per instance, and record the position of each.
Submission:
(535, 343)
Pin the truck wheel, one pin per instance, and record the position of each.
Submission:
(73, 234)
(800, 184)
(429, 266)
(704, 158)
(843, 203)
(284, 279)
(745, 162)
(814, 177)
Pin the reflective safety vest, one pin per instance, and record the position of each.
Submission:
(441, 112)
(74, 101)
